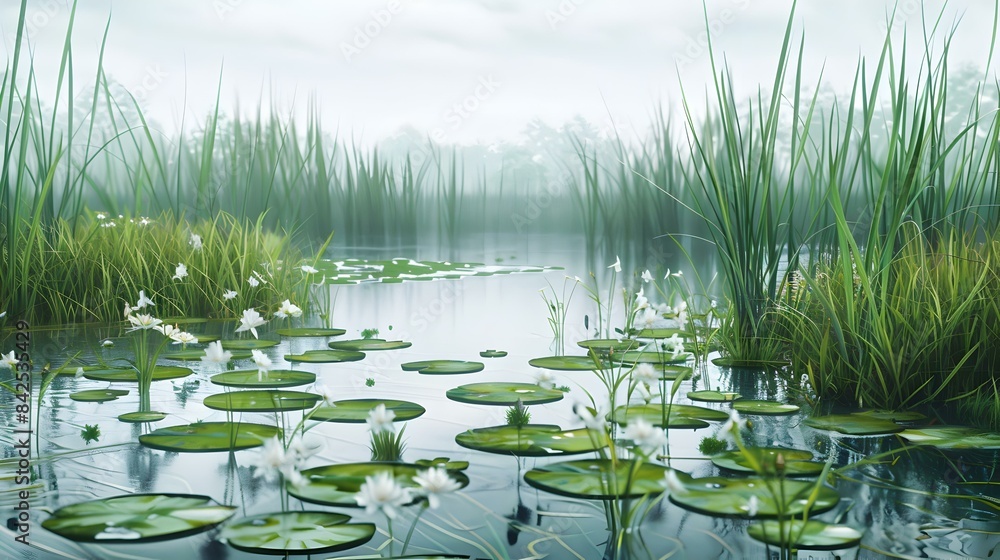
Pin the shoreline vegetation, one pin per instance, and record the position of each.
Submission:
(857, 234)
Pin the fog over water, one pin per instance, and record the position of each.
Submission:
(458, 70)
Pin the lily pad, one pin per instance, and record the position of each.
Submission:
(443, 367)
(597, 479)
(296, 532)
(808, 535)
(194, 354)
(895, 416)
(356, 411)
(651, 357)
(606, 345)
(207, 437)
(565, 363)
(733, 362)
(503, 394)
(683, 416)
(730, 497)
(953, 437)
(764, 408)
(798, 462)
(310, 332)
(662, 333)
(184, 320)
(369, 344)
(445, 462)
(325, 357)
(275, 378)
(712, 396)
(160, 373)
(493, 354)
(532, 440)
(262, 401)
(248, 344)
(854, 424)
(142, 416)
(135, 518)
(98, 395)
(336, 485)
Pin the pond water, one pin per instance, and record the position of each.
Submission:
(498, 514)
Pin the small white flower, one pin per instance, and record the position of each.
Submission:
(272, 460)
(380, 419)
(640, 301)
(108, 343)
(433, 483)
(288, 309)
(617, 265)
(108, 224)
(195, 242)
(167, 330)
(180, 272)
(544, 378)
(753, 506)
(8, 361)
(101, 216)
(674, 344)
(215, 354)
(264, 363)
(647, 277)
(128, 310)
(309, 270)
(325, 392)
(253, 282)
(732, 426)
(3, 314)
(229, 295)
(673, 483)
(259, 277)
(647, 318)
(182, 337)
(143, 301)
(143, 322)
(646, 373)
(645, 435)
(145, 221)
(591, 420)
(382, 492)
(250, 321)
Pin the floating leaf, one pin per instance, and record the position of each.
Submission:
(808, 535)
(98, 395)
(503, 394)
(633, 357)
(445, 462)
(160, 373)
(662, 333)
(310, 332)
(729, 497)
(565, 363)
(142, 416)
(296, 532)
(764, 408)
(597, 479)
(262, 401)
(177, 321)
(369, 344)
(206, 437)
(275, 378)
(194, 354)
(712, 396)
(248, 344)
(953, 437)
(682, 416)
(443, 367)
(895, 416)
(356, 410)
(135, 518)
(797, 462)
(606, 345)
(325, 356)
(532, 440)
(493, 354)
(336, 485)
(854, 424)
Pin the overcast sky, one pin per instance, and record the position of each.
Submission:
(462, 70)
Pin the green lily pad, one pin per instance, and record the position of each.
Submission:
(764, 408)
(207, 437)
(596, 479)
(633, 357)
(808, 535)
(142, 416)
(248, 344)
(262, 401)
(98, 395)
(369, 344)
(565, 363)
(503, 394)
(310, 332)
(445, 462)
(733, 362)
(135, 518)
(798, 462)
(336, 485)
(729, 497)
(854, 424)
(606, 345)
(683, 416)
(184, 320)
(662, 333)
(493, 354)
(443, 367)
(356, 411)
(325, 357)
(952, 437)
(296, 532)
(895, 416)
(275, 378)
(205, 338)
(532, 440)
(712, 396)
(160, 373)
(196, 354)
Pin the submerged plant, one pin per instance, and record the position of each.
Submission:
(518, 415)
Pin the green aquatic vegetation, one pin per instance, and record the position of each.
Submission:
(443, 367)
(209, 437)
(357, 411)
(298, 532)
(518, 415)
(90, 433)
(711, 445)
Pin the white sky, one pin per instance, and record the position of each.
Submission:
(598, 58)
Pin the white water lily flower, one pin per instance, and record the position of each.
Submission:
(229, 295)
(591, 420)
(264, 363)
(299, 450)
(8, 361)
(272, 460)
(143, 322)
(647, 277)
(380, 419)
(674, 344)
(382, 492)
(195, 242)
(544, 378)
(143, 301)
(180, 272)
(673, 483)
(253, 282)
(288, 309)
(182, 337)
(753, 506)
(309, 270)
(435, 482)
(642, 391)
(325, 392)
(250, 321)
(617, 265)
(647, 318)
(216, 354)
(645, 435)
